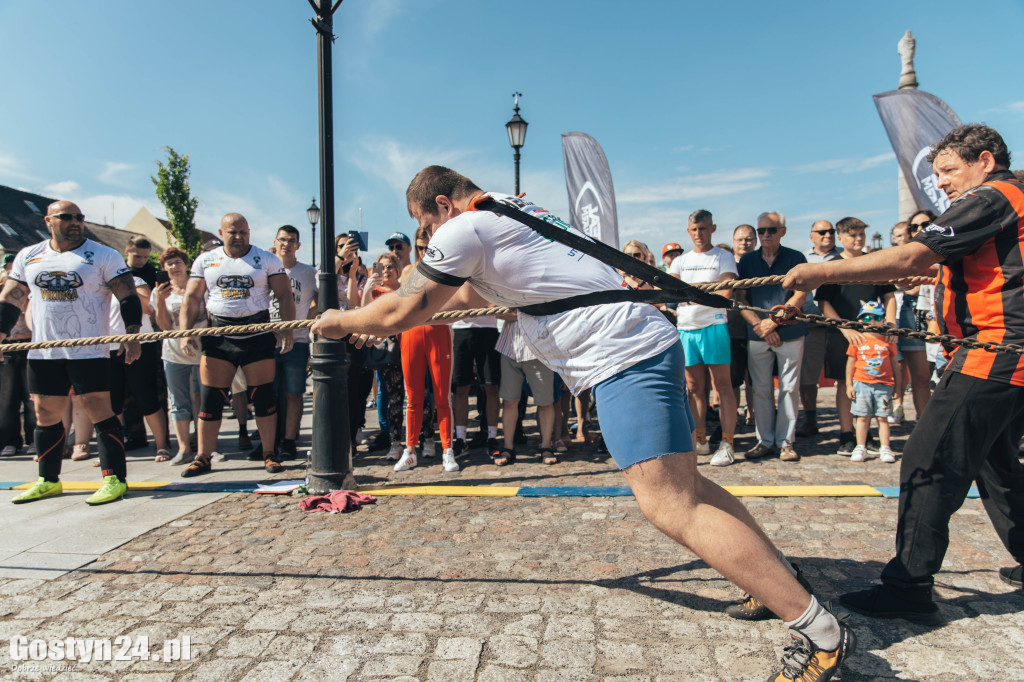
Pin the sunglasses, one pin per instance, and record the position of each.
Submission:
(421, 248)
(767, 230)
(635, 254)
(914, 227)
(872, 318)
(828, 232)
(396, 246)
(68, 216)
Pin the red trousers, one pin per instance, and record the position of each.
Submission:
(427, 347)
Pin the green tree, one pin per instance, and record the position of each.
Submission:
(172, 190)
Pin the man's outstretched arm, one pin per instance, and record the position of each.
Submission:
(412, 305)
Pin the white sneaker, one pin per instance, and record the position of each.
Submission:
(218, 457)
(448, 460)
(885, 454)
(395, 452)
(701, 448)
(31, 450)
(858, 454)
(8, 451)
(428, 448)
(407, 462)
(723, 456)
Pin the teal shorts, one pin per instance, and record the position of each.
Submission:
(707, 346)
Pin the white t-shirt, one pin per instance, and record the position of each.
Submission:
(695, 268)
(117, 322)
(70, 295)
(509, 264)
(239, 287)
(486, 322)
(172, 351)
(304, 290)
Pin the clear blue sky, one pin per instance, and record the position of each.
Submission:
(734, 107)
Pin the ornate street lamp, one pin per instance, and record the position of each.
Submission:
(516, 134)
(876, 241)
(313, 213)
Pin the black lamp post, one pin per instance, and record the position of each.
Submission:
(516, 134)
(330, 458)
(313, 213)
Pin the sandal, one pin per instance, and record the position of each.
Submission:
(162, 455)
(505, 457)
(547, 456)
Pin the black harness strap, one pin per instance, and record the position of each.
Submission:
(671, 289)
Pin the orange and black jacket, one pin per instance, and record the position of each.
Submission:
(980, 290)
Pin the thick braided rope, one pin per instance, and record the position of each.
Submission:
(239, 330)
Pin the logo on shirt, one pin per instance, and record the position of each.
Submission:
(58, 285)
(256, 261)
(433, 253)
(235, 286)
(87, 256)
(940, 230)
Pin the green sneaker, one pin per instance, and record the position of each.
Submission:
(41, 489)
(111, 491)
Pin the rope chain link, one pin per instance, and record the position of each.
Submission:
(453, 315)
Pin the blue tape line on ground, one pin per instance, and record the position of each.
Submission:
(577, 491)
(213, 487)
(11, 485)
(893, 493)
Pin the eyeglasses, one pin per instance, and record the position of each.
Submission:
(287, 242)
(635, 254)
(68, 216)
(828, 232)
(767, 230)
(396, 246)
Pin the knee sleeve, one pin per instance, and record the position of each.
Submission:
(264, 404)
(212, 402)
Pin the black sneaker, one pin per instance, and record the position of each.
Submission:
(1012, 575)
(519, 438)
(846, 447)
(287, 450)
(459, 446)
(494, 447)
(255, 453)
(750, 608)
(883, 601)
(382, 441)
(478, 440)
(805, 661)
(716, 435)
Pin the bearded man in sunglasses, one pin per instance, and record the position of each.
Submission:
(767, 341)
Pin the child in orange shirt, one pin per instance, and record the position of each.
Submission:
(870, 383)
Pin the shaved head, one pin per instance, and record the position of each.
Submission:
(62, 207)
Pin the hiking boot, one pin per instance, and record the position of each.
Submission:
(200, 465)
(40, 489)
(883, 601)
(859, 454)
(408, 461)
(448, 461)
(380, 441)
(1012, 575)
(751, 608)
(758, 451)
(788, 454)
(724, 456)
(113, 489)
(804, 661)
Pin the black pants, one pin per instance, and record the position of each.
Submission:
(14, 397)
(968, 432)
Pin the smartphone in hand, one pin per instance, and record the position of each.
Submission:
(162, 277)
(362, 238)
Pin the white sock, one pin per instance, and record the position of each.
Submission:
(460, 432)
(785, 562)
(818, 625)
(492, 431)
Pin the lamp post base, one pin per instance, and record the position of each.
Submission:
(330, 458)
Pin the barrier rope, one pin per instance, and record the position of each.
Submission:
(453, 315)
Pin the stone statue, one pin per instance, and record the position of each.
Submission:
(908, 78)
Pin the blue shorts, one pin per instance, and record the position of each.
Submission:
(643, 410)
(291, 369)
(873, 400)
(908, 320)
(707, 346)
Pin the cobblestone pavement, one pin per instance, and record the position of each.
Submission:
(505, 589)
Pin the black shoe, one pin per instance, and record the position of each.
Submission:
(752, 609)
(459, 446)
(382, 441)
(846, 446)
(478, 440)
(807, 429)
(135, 443)
(1012, 575)
(883, 601)
(519, 438)
(287, 450)
(494, 446)
(805, 661)
(271, 465)
(198, 466)
(716, 435)
(758, 451)
(255, 453)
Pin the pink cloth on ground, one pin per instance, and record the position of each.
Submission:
(337, 501)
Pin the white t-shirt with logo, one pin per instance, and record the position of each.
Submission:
(695, 268)
(509, 264)
(238, 287)
(304, 290)
(117, 322)
(70, 295)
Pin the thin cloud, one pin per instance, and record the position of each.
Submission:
(1009, 107)
(112, 170)
(395, 163)
(697, 187)
(380, 13)
(11, 167)
(62, 189)
(850, 165)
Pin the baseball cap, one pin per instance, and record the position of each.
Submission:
(398, 237)
(871, 308)
(671, 246)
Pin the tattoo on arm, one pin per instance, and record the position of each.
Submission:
(415, 285)
(16, 293)
(122, 285)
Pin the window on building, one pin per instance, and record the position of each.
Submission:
(42, 233)
(8, 229)
(32, 206)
